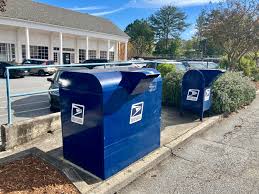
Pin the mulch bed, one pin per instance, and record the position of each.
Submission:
(33, 176)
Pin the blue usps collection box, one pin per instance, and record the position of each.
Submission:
(196, 90)
(111, 118)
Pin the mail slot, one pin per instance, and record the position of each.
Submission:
(110, 119)
(196, 90)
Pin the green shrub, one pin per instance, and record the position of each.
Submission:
(172, 84)
(231, 92)
(246, 65)
(166, 68)
(224, 63)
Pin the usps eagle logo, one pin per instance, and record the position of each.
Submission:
(136, 112)
(77, 113)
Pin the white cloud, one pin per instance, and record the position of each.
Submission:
(159, 3)
(108, 12)
(88, 8)
(151, 4)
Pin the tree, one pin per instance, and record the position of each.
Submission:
(205, 45)
(173, 50)
(168, 23)
(234, 27)
(2, 5)
(141, 37)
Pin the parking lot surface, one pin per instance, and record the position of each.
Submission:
(225, 159)
(28, 106)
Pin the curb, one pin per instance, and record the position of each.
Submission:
(129, 174)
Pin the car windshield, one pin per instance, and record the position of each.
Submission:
(57, 75)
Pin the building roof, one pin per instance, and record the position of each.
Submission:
(46, 14)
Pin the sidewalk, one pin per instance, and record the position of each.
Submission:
(225, 159)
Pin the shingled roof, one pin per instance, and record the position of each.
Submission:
(46, 14)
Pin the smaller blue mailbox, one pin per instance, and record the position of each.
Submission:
(110, 118)
(196, 90)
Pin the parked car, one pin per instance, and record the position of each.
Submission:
(40, 71)
(54, 84)
(201, 65)
(12, 72)
(95, 61)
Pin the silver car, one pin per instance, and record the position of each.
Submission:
(40, 71)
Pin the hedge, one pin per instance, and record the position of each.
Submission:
(231, 92)
(172, 84)
(166, 68)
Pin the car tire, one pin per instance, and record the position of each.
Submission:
(41, 73)
(53, 109)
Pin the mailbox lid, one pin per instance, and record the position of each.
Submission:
(89, 81)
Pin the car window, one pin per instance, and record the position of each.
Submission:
(50, 62)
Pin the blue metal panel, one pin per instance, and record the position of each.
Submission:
(196, 90)
(115, 129)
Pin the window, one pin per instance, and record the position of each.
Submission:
(23, 52)
(56, 49)
(92, 54)
(103, 54)
(111, 55)
(7, 52)
(56, 57)
(82, 55)
(37, 52)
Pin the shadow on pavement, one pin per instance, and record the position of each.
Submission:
(30, 107)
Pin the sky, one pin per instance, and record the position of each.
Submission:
(124, 12)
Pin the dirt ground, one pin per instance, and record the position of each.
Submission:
(33, 176)
(257, 85)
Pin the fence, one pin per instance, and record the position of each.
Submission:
(10, 95)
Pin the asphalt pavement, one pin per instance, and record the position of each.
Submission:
(28, 106)
(225, 159)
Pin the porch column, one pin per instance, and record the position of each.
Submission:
(60, 48)
(27, 46)
(86, 48)
(51, 45)
(108, 49)
(98, 50)
(77, 51)
(126, 51)
(119, 51)
(18, 49)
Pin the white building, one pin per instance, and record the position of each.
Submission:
(34, 30)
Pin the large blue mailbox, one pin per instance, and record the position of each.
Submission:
(196, 90)
(111, 118)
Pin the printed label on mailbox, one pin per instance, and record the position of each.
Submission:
(152, 87)
(207, 95)
(193, 95)
(77, 113)
(136, 112)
